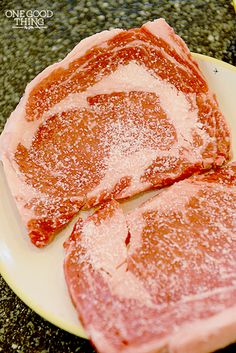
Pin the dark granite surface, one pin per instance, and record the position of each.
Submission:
(208, 27)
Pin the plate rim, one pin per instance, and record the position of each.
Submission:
(51, 318)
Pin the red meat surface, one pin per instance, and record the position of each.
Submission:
(163, 277)
(124, 112)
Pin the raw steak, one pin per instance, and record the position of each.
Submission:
(162, 278)
(125, 111)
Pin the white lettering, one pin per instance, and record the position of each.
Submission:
(40, 21)
(8, 13)
(49, 13)
(36, 13)
(29, 13)
(30, 18)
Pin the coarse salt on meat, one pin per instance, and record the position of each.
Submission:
(172, 289)
(124, 112)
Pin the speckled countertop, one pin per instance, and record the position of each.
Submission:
(208, 27)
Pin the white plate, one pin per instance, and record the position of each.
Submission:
(36, 275)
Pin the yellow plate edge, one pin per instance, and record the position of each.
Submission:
(210, 59)
(73, 329)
